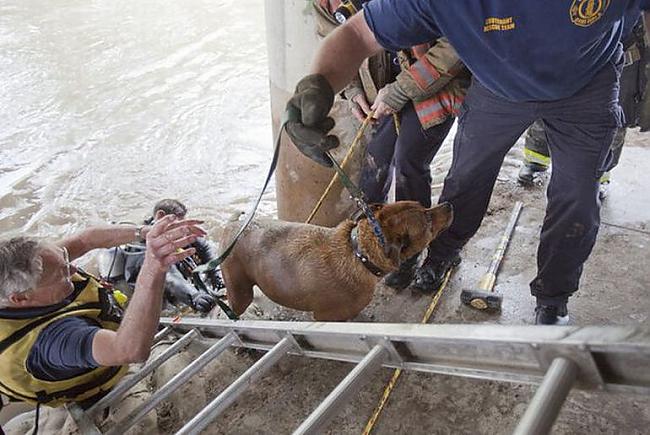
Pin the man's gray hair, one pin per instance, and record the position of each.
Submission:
(21, 266)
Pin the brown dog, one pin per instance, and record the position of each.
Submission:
(312, 268)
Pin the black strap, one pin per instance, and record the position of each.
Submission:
(357, 195)
(198, 282)
(372, 267)
(38, 414)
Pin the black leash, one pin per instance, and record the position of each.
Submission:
(355, 193)
(215, 262)
(36, 418)
(201, 285)
(357, 196)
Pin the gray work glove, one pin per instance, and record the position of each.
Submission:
(308, 123)
(393, 96)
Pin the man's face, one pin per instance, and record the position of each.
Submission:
(55, 283)
(161, 214)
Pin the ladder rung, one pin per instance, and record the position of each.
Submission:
(83, 420)
(173, 384)
(549, 398)
(128, 383)
(230, 394)
(356, 379)
(162, 334)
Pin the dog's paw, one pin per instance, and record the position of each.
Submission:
(203, 302)
(256, 310)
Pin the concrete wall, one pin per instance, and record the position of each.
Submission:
(292, 42)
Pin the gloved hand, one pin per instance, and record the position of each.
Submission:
(203, 302)
(215, 280)
(390, 99)
(308, 122)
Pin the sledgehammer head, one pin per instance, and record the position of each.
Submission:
(481, 299)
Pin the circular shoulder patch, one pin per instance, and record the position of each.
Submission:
(584, 13)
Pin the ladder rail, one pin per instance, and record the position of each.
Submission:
(605, 358)
(610, 358)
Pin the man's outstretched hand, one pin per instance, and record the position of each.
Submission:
(308, 122)
(167, 238)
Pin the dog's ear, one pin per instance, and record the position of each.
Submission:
(429, 214)
(440, 216)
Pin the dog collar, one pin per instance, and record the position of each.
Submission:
(372, 267)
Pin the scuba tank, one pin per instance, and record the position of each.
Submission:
(111, 262)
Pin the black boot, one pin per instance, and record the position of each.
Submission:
(603, 186)
(551, 314)
(401, 278)
(527, 172)
(430, 276)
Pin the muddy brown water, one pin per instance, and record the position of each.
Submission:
(106, 107)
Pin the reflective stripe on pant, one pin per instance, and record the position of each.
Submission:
(410, 155)
(536, 146)
(580, 130)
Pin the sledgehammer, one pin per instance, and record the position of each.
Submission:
(484, 297)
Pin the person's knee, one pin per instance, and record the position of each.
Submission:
(574, 211)
(576, 190)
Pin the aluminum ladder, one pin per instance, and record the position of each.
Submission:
(558, 358)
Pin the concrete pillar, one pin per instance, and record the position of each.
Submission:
(292, 41)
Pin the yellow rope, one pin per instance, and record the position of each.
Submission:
(347, 157)
(397, 123)
(397, 373)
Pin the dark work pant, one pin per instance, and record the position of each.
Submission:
(580, 130)
(410, 154)
(537, 142)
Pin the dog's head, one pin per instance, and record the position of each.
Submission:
(409, 228)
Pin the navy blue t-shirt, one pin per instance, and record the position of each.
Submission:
(631, 18)
(521, 50)
(64, 349)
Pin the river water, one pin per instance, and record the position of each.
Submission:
(108, 106)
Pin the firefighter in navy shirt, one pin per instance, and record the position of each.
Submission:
(555, 61)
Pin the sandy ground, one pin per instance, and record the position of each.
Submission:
(614, 290)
